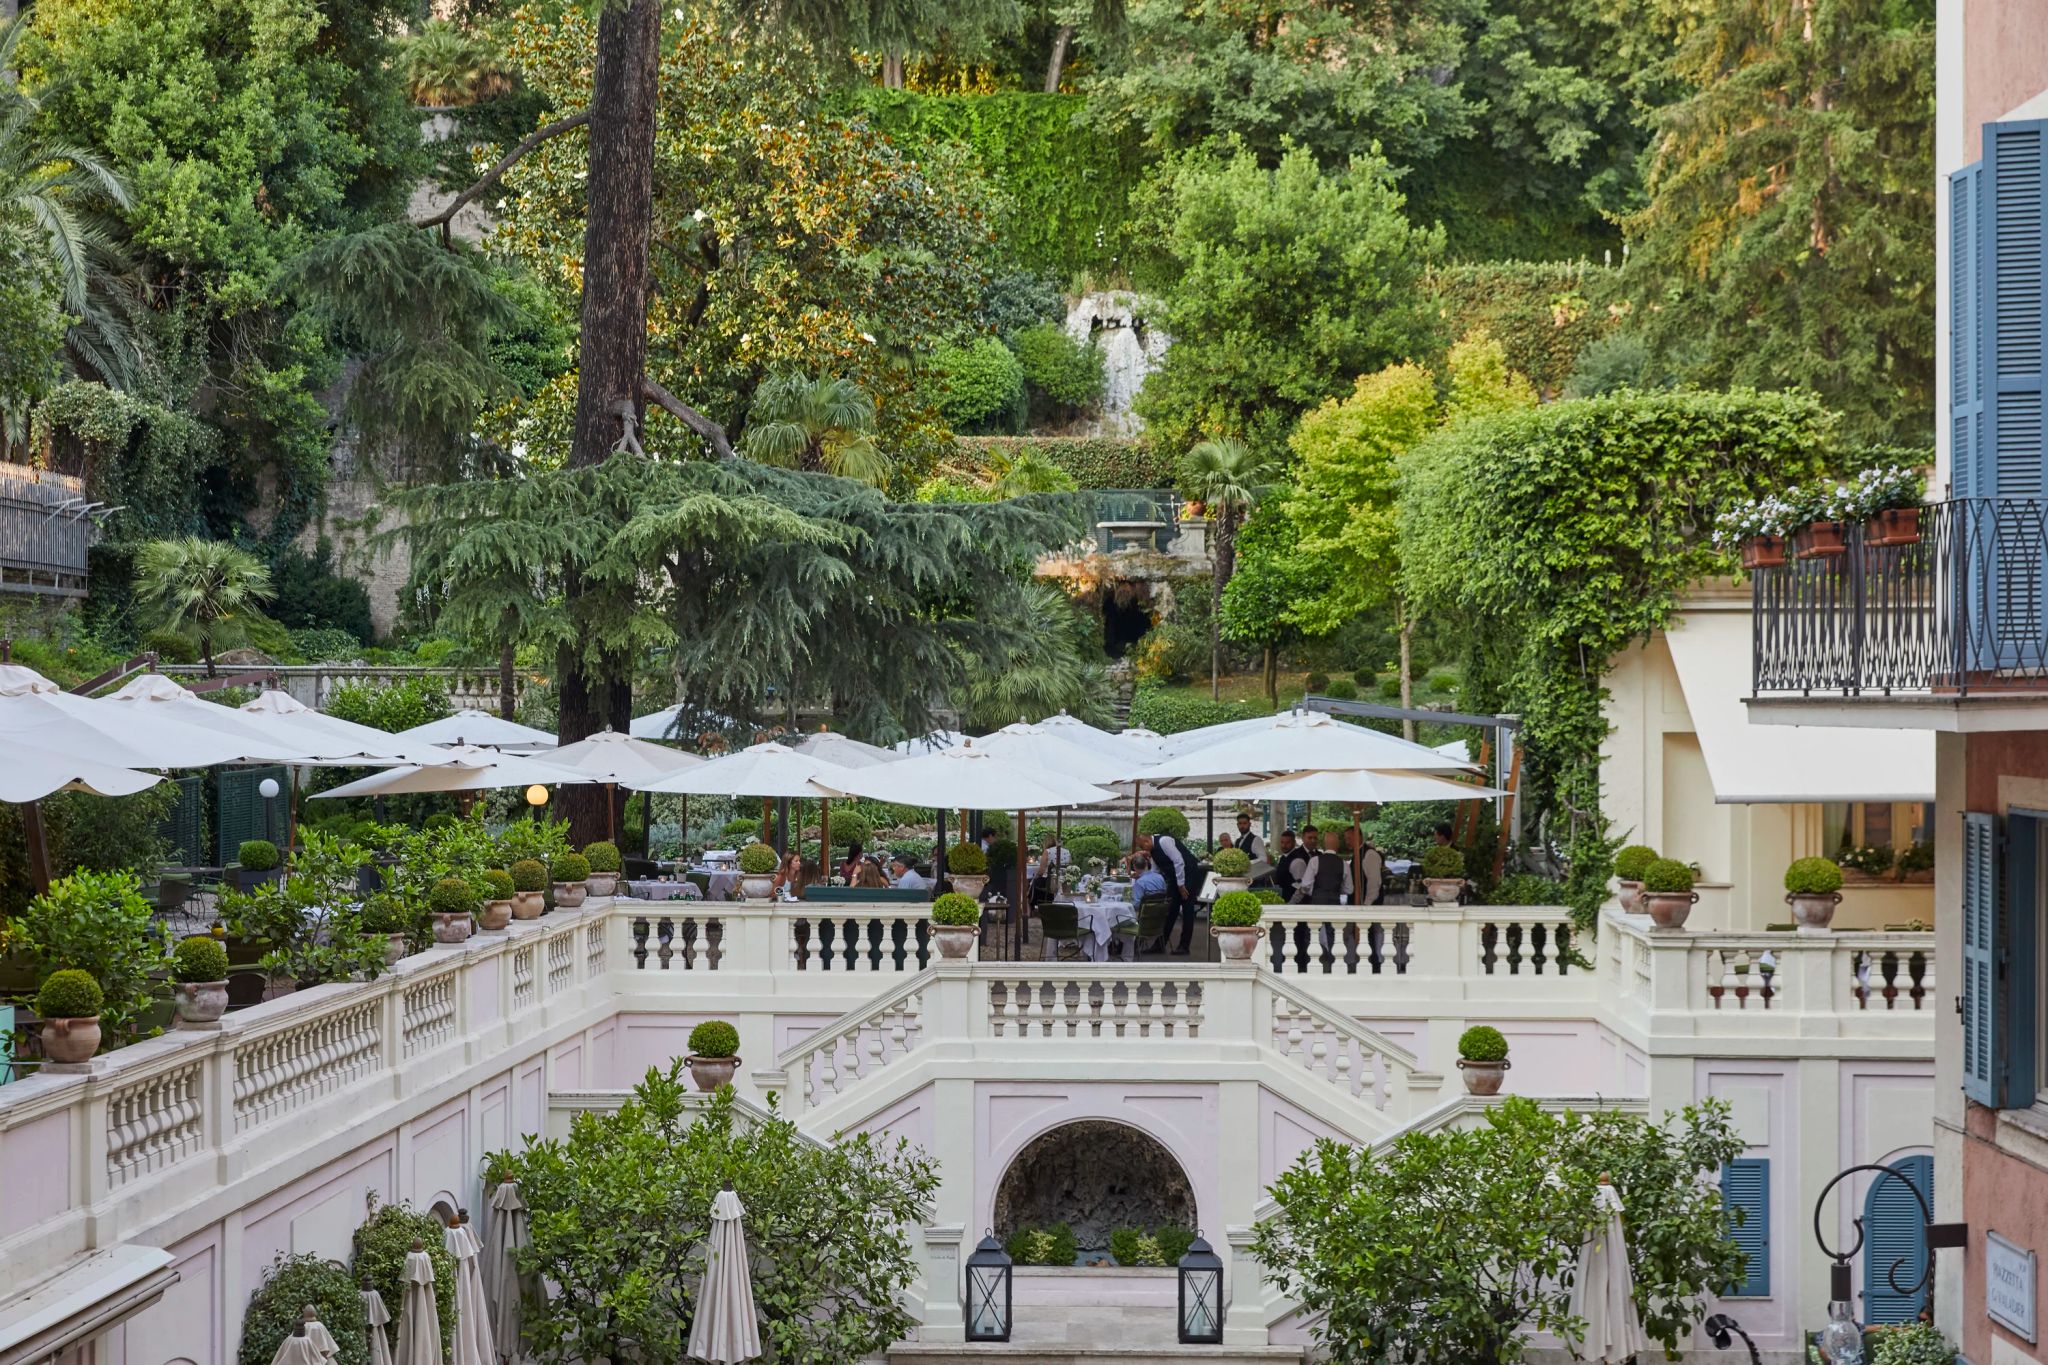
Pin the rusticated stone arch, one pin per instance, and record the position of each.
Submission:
(1095, 1176)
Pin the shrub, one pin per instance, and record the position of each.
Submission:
(257, 855)
(1236, 910)
(1173, 1242)
(739, 826)
(1543, 313)
(1043, 1246)
(1169, 711)
(387, 915)
(390, 707)
(438, 821)
(1812, 877)
(1085, 848)
(1164, 820)
(1342, 689)
(1267, 895)
(1230, 862)
(977, 386)
(1526, 888)
(288, 1286)
(324, 644)
(714, 1039)
(1872, 860)
(497, 884)
(1667, 876)
(1917, 856)
(1368, 679)
(1065, 372)
(1002, 856)
(1317, 681)
(529, 874)
(1093, 461)
(757, 860)
(851, 827)
(97, 923)
(603, 856)
(574, 867)
(1630, 862)
(170, 646)
(1132, 1246)
(381, 1243)
(69, 994)
(1910, 1343)
(956, 910)
(1482, 1043)
(966, 859)
(1017, 299)
(310, 596)
(1442, 862)
(199, 959)
(452, 896)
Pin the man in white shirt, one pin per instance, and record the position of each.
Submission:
(904, 877)
(1251, 843)
(1176, 864)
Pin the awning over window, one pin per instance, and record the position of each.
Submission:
(95, 1292)
(1711, 651)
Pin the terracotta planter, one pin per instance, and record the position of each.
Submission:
(569, 895)
(1238, 943)
(603, 883)
(200, 1002)
(1763, 552)
(1225, 885)
(1814, 912)
(1669, 909)
(529, 904)
(71, 1042)
(1821, 540)
(1893, 526)
(955, 940)
(1630, 895)
(494, 915)
(711, 1072)
(1483, 1078)
(394, 948)
(968, 884)
(1443, 890)
(752, 888)
(452, 927)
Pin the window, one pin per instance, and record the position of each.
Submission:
(1895, 1242)
(1894, 826)
(2004, 1038)
(1746, 1195)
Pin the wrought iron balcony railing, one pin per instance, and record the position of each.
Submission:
(1951, 606)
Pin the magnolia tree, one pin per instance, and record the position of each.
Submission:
(1457, 1245)
(621, 1221)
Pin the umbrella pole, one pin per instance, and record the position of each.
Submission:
(38, 846)
(611, 813)
(647, 821)
(1209, 809)
(1357, 859)
(1059, 839)
(1017, 907)
(824, 832)
(939, 856)
(767, 821)
(1136, 787)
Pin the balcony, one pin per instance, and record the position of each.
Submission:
(46, 526)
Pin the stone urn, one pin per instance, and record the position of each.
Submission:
(955, 940)
(968, 884)
(71, 1042)
(529, 904)
(1225, 885)
(1630, 895)
(494, 915)
(394, 948)
(1669, 909)
(1483, 1078)
(200, 1003)
(711, 1072)
(1814, 912)
(1443, 890)
(452, 926)
(1238, 943)
(752, 888)
(569, 895)
(603, 883)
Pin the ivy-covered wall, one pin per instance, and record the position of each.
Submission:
(1094, 461)
(1543, 313)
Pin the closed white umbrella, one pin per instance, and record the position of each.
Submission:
(1297, 742)
(317, 1333)
(156, 697)
(374, 745)
(465, 769)
(1359, 787)
(483, 729)
(377, 1319)
(970, 777)
(843, 752)
(298, 1349)
(1603, 1292)
(419, 1320)
(724, 1331)
(30, 774)
(35, 711)
(504, 1285)
(765, 770)
(473, 1341)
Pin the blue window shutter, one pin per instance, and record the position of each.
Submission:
(2015, 950)
(2014, 306)
(1966, 341)
(1982, 1003)
(1746, 1196)
(1895, 1243)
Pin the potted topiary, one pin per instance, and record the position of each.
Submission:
(1628, 875)
(1230, 869)
(1234, 919)
(757, 871)
(956, 920)
(967, 869)
(69, 1003)
(1443, 873)
(255, 864)
(496, 912)
(1813, 888)
(572, 880)
(603, 857)
(1667, 893)
(529, 888)
(714, 1054)
(453, 905)
(1482, 1059)
(199, 977)
(385, 917)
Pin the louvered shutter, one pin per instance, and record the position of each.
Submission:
(1746, 1197)
(2016, 930)
(1966, 339)
(2013, 312)
(1982, 1004)
(1895, 1243)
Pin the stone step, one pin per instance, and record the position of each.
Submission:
(1054, 1353)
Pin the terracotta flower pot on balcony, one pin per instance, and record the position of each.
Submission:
(494, 915)
(711, 1072)
(603, 883)
(452, 926)
(1814, 913)
(1669, 909)
(569, 895)
(1893, 526)
(71, 1041)
(1483, 1078)
(1763, 552)
(1443, 890)
(1629, 894)
(1821, 540)
(200, 1002)
(967, 884)
(955, 940)
(529, 904)
(1238, 943)
(751, 888)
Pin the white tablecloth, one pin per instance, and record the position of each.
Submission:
(1098, 920)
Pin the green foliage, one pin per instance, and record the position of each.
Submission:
(97, 923)
(1094, 461)
(498, 884)
(1544, 314)
(817, 423)
(1442, 861)
(1169, 711)
(390, 707)
(849, 827)
(1054, 663)
(1133, 1246)
(621, 1220)
(1631, 861)
(1343, 689)
(741, 826)
(309, 595)
(387, 914)
(69, 993)
(977, 386)
(1173, 1242)
(1482, 1043)
(757, 860)
(602, 856)
(292, 1282)
(1017, 299)
(199, 959)
(966, 859)
(1611, 364)
(451, 896)
(207, 587)
(1667, 875)
(1164, 820)
(1316, 680)
(1236, 910)
(1063, 374)
(529, 875)
(545, 840)
(574, 867)
(169, 646)
(257, 855)
(1809, 877)
(380, 1246)
(1043, 1246)
(953, 908)
(1911, 1343)
(311, 922)
(714, 1039)
(323, 644)
(1526, 888)
(1230, 862)
(1872, 860)
(1917, 856)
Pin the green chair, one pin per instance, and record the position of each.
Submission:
(1059, 922)
(1149, 925)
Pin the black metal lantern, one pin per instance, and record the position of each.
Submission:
(988, 1291)
(1201, 1295)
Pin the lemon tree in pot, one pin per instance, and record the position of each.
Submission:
(1443, 873)
(1234, 919)
(529, 888)
(1813, 888)
(956, 920)
(199, 981)
(714, 1054)
(453, 905)
(967, 869)
(572, 880)
(1629, 865)
(603, 857)
(69, 1004)
(1667, 893)
(757, 871)
(1231, 870)
(1482, 1059)
(496, 912)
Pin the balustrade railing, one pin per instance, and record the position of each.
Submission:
(1320, 941)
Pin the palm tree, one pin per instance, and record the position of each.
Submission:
(1226, 476)
(818, 424)
(201, 585)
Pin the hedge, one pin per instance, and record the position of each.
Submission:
(1543, 313)
(1094, 461)
(1172, 711)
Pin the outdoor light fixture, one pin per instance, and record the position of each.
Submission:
(1841, 1341)
(268, 787)
(988, 1291)
(536, 795)
(1201, 1295)
(1722, 1331)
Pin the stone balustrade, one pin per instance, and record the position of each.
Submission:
(1523, 951)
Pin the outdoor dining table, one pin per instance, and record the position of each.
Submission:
(1098, 920)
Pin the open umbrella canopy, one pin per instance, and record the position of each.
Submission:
(373, 745)
(1138, 744)
(154, 695)
(1297, 742)
(35, 711)
(466, 769)
(766, 770)
(1359, 787)
(30, 774)
(842, 752)
(482, 729)
(660, 724)
(970, 777)
(1062, 751)
(609, 756)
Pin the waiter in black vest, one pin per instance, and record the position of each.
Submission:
(1177, 865)
(1251, 842)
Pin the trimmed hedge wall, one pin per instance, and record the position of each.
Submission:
(1543, 313)
(1094, 461)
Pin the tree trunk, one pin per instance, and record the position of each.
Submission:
(1219, 574)
(206, 649)
(1272, 667)
(1407, 628)
(1056, 67)
(508, 694)
(892, 70)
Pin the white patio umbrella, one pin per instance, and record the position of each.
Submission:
(317, 1333)
(465, 769)
(482, 729)
(1359, 787)
(1063, 751)
(765, 770)
(419, 1320)
(159, 698)
(1603, 1292)
(615, 759)
(35, 711)
(473, 1342)
(298, 1349)
(970, 777)
(30, 774)
(724, 1331)
(374, 745)
(1140, 744)
(504, 1285)
(927, 743)
(657, 724)
(377, 1319)
(1297, 742)
(842, 751)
